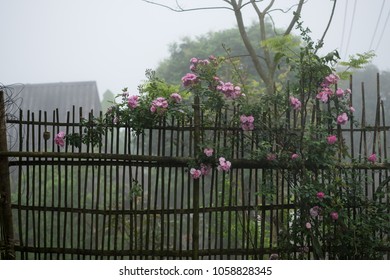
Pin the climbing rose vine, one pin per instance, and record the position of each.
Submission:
(304, 156)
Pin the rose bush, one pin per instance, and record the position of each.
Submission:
(322, 223)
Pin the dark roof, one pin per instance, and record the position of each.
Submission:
(48, 97)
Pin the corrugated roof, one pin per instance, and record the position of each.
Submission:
(64, 95)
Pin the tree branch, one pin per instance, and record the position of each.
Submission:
(286, 11)
(268, 7)
(295, 18)
(248, 45)
(263, 35)
(321, 41)
(179, 9)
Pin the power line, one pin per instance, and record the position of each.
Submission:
(350, 29)
(383, 30)
(377, 24)
(345, 17)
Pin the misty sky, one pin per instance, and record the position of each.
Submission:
(112, 42)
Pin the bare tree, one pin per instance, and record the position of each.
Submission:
(266, 69)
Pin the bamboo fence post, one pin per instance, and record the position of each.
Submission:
(196, 184)
(5, 189)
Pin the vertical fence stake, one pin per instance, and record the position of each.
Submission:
(5, 190)
(196, 183)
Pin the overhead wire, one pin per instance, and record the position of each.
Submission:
(344, 21)
(383, 30)
(350, 29)
(377, 24)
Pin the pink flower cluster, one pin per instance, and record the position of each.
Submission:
(204, 169)
(316, 212)
(224, 165)
(295, 103)
(190, 80)
(159, 105)
(59, 139)
(132, 102)
(229, 90)
(326, 92)
(247, 122)
(195, 62)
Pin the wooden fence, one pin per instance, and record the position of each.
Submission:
(133, 197)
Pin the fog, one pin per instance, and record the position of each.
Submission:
(112, 42)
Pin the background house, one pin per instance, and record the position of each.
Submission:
(31, 99)
(48, 97)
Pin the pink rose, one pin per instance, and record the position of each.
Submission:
(247, 122)
(340, 92)
(189, 80)
(59, 139)
(320, 195)
(212, 57)
(372, 158)
(334, 215)
(294, 156)
(229, 90)
(243, 119)
(314, 211)
(323, 96)
(205, 169)
(132, 102)
(224, 165)
(195, 173)
(271, 157)
(194, 60)
(331, 79)
(331, 139)
(176, 97)
(342, 119)
(208, 151)
(160, 104)
(308, 225)
(295, 103)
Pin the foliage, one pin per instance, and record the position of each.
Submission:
(228, 43)
(356, 62)
(367, 77)
(336, 218)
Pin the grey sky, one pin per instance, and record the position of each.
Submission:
(114, 41)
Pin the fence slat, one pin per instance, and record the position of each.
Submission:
(6, 220)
